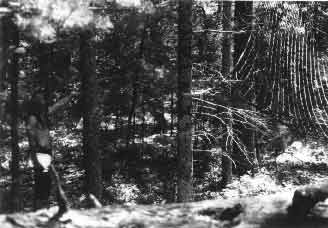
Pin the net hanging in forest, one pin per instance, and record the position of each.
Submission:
(285, 77)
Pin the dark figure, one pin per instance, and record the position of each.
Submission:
(41, 154)
(40, 149)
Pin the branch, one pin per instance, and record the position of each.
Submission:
(59, 104)
(223, 31)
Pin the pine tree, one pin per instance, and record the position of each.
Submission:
(227, 64)
(184, 137)
(10, 37)
(2, 52)
(14, 124)
(92, 154)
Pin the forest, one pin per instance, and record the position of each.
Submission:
(163, 113)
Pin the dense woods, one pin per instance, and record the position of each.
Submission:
(155, 102)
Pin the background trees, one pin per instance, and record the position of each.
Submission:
(184, 103)
(146, 96)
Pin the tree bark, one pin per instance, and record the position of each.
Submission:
(13, 70)
(3, 56)
(3, 61)
(184, 104)
(38, 129)
(172, 113)
(92, 154)
(136, 86)
(227, 65)
(44, 75)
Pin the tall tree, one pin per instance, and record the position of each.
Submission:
(92, 154)
(2, 51)
(39, 104)
(3, 60)
(10, 37)
(227, 65)
(136, 83)
(184, 104)
(44, 75)
(14, 70)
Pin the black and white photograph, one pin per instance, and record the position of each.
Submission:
(163, 114)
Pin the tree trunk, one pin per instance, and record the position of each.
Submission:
(184, 105)
(227, 65)
(132, 108)
(3, 61)
(3, 56)
(163, 122)
(44, 75)
(136, 86)
(13, 36)
(38, 110)
(172, 113)
(92, 154)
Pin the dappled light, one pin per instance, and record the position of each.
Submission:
(159, 113)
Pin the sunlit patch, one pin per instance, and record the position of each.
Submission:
(47, 18)
(129, 3)
(298, 154)
(44, 160)
(30, 163)
(102, 22)
(297, 145)
(46, 33)
(23, 144)
(78, 18)
(261, 184)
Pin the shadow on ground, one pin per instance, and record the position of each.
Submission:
(282, 220)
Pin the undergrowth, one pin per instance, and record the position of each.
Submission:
(144, 173)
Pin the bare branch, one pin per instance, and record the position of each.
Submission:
(59, 104)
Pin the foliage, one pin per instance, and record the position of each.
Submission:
(261, 184)
(135, 44)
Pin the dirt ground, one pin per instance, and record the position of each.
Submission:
(256, 212)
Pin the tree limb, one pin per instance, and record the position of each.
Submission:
(55, 107)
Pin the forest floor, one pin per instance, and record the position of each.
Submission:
(258, 200)
(249, 212)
